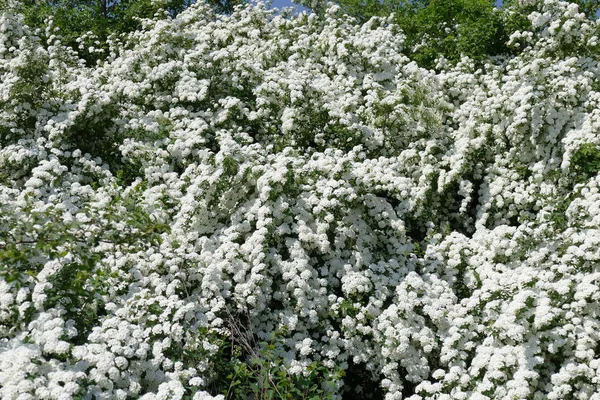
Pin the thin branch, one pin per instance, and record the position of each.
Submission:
(33, 242)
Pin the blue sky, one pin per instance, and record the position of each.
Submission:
(285, 3)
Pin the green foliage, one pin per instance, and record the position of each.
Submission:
(86, 25)
(81, 278)
(75, 286)
(452, 28)
(586, 162)
(262, 375)
(434, 28)
(91, 133)
(589, 7)
(242, 368)
(78, 287)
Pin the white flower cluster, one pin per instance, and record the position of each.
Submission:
(438, 232)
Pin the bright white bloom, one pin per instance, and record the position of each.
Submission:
(222, 179)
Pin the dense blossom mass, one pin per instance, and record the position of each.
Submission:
(264, 179)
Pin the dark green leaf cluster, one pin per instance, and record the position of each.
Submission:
(586, 161)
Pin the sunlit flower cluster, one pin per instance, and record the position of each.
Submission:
(436, 231)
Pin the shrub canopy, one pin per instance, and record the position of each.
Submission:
(222, 186)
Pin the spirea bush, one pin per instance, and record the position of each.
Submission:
(270, 206)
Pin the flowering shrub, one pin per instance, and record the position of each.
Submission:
(259, 204)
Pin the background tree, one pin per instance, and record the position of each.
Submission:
(436, 28)
(589, 7)
(452, 28)
(85, 25)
